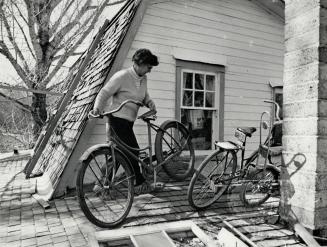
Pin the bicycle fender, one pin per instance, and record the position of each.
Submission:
(226, 145)
(87, 153)
(96, 147)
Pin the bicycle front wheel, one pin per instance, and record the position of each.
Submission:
(212, 178)
(105, 190)
(259, 186)
(174, 146)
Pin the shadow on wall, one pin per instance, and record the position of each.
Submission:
(298, 160)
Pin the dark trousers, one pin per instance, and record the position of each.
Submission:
(124, 130)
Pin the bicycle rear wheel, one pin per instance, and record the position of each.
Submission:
(105, 190)
(173, 143)
(259, 186)
(212, 178)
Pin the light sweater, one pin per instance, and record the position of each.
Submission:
(123, 85)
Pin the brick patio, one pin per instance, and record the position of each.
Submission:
(24, 222)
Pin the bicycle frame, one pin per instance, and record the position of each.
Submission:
(245, 162)
(117, 142)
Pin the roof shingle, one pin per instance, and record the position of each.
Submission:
(73, 120)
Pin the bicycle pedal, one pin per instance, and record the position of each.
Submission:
(158, 186)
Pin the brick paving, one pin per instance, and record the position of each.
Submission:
(24, 222)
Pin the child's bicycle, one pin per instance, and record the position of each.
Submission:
(105, 181)
(221, 170)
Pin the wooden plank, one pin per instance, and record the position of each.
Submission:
(148, 239)
(201, 235)
(41, 201)
(92, 240)
(169, 227)
(305, 235)
(239, 234)
(226, 238)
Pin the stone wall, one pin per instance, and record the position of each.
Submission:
(304, 176)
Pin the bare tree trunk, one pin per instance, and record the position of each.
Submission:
(39, 112)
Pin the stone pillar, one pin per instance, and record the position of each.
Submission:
(304, 175)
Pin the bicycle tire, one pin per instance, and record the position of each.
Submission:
(256, 191)
(209, 181)
(105, 207)
(171, 136)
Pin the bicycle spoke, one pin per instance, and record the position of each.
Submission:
(212, 179)
(258, 188)
(105, 203)
(124, 180)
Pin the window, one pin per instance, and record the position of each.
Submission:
(199, 97)
(278, 97)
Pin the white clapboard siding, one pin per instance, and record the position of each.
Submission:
(226, 39)
(238, 26)
(249, 85)
(250, 38)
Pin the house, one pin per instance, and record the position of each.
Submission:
(217, 61)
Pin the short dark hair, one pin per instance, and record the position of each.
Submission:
(144, 56)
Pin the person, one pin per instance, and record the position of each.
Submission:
(130, 83)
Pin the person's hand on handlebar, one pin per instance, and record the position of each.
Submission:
(94, 113)
(152, 106)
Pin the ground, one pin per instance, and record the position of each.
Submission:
(24, 222)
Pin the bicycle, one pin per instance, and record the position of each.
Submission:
(220, 170)
(107, 168)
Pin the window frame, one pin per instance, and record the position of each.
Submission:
(219, 72)
(205, 73)
(277, 90)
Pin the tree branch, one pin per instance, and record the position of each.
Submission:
(25, 38)
(54, 3)
(5, 51)
(31, 24)
(57, 23)
(21, 105)
(73, 54)
(66, 29)
(11, 38)
(20, 13)
(109, 4)
(63, 59)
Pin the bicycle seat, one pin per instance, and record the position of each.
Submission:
(227, 145)
(248, 131)
(149, 115)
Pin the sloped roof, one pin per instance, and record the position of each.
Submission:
(73, 120)
(276, 7)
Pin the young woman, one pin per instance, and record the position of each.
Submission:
(130, 83)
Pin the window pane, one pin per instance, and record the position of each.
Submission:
(198, 99)
(279, 100)
(187, 80)
(210, 80)
(210, 100)
(199, 80)
(188, 98)
(199, 123)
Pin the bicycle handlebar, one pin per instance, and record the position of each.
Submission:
(91, 115)
(277, 107)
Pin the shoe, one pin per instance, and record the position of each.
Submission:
(139, 181)
(97, 189)
(143, 188)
